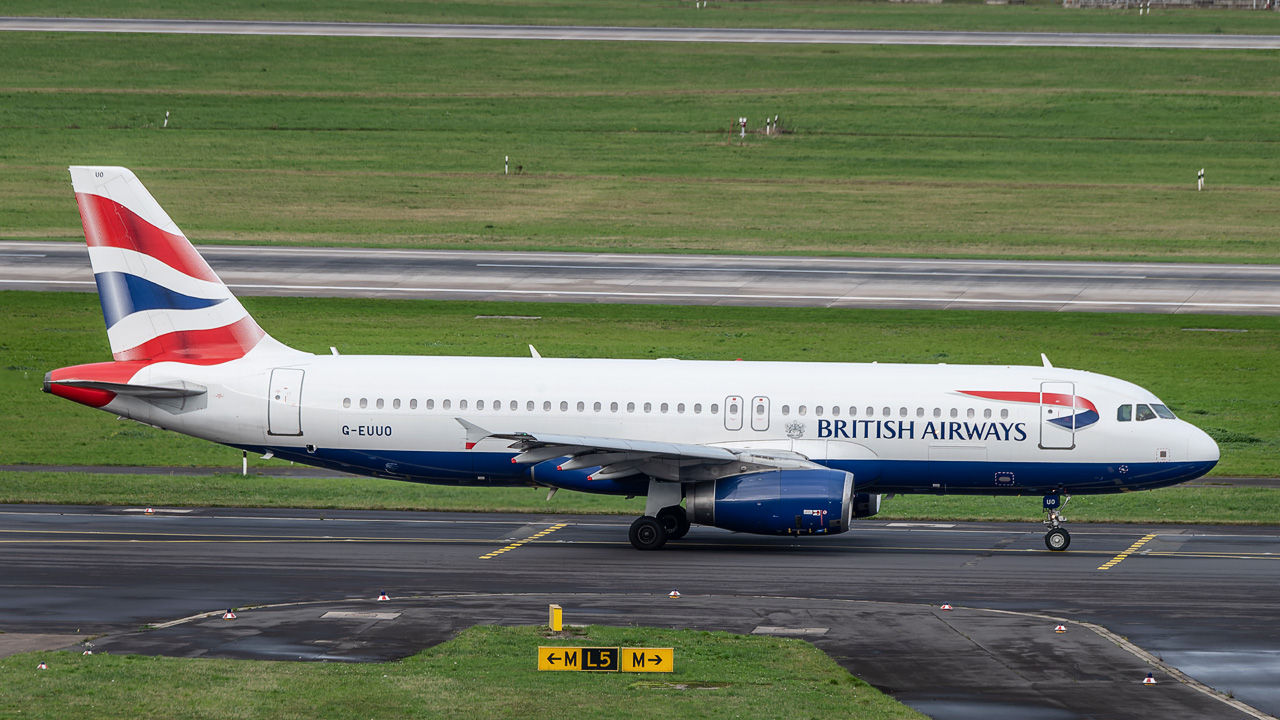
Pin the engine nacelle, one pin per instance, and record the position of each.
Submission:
(775, 502)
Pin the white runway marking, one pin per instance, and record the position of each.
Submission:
(694, 268)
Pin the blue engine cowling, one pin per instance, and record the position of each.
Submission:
(775, 502)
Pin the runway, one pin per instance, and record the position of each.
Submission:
(695, 279)
(1201, 600)
(642, 34)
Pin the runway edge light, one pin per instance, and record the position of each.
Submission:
(1060, 628)
(945, 606)
(1149, 680)
(229, 615)
(674, 594)
(382, 596)
(42, 666)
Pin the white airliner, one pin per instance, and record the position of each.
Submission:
(757, 447)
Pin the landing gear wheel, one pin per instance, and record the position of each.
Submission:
(647, 533)
(1057, 539)
(675, 521)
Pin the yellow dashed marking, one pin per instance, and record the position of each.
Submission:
(518, 543)
(1131, 550)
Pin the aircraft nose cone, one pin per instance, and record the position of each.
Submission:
(1201, 447)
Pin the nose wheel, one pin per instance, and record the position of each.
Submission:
(1057, 539)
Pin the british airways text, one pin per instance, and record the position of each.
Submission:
(907, 430)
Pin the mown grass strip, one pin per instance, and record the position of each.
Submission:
(1177, 505)
(626, 147)
(487, 672)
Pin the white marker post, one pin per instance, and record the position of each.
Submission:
(742, 127)
(1200, 180)
(166, 118)
(244, 463)
(506, 164)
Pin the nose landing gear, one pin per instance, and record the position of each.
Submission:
(1057, 539)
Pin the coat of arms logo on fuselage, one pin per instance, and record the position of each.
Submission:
(795, 429)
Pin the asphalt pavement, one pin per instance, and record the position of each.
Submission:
(642, 34)
(695, 279)
(1197, 600)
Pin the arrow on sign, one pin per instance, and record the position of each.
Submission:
(656, 659)
(551, 659)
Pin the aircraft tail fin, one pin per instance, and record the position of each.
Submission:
(160, 299)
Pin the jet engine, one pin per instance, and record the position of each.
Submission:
(778, 502)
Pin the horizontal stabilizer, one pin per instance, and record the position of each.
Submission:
(176, 389)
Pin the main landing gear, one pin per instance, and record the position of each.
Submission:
(651, 533)
(1057, 539)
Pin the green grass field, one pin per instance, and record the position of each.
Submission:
(1226, 383)
(940, 151)
(1180, 505)
(487, 672)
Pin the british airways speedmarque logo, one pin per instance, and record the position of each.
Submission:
(1078, 412)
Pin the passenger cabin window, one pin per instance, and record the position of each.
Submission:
(529, 406)
(395, 404)
(596, 407)
(663, 407)
(380, 403)
(564, 406)
(364, 403)
(680, 408)
(937, 412)
(818, 411)
(987, 413)
(631, 407)
(1163, 411)
(613, 407)
(1124, 413)
(802, 410)
(479, 405)
(715, 408)
(1145, 413)
(431, 404)
(346, 402)
(853, 411)
(1004, 414)
(648, 407)
(835, 410)
(697, 408)
(581, 406)
(786, 409)
(413, 404)
(462, 404)
(546, 406)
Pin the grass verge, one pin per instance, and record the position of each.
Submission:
(487, 672)
(625, 147)
(1178, 505)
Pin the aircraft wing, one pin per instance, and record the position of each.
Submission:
(622, 457)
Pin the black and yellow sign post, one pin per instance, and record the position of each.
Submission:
(597, 659)
(648, 659)
(582, 659)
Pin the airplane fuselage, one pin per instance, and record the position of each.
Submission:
(896, 428)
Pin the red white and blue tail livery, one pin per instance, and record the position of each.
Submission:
(760, 447)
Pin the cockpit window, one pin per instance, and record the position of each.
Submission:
(1124, 413)
(1163, 411)
(1145, 413)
